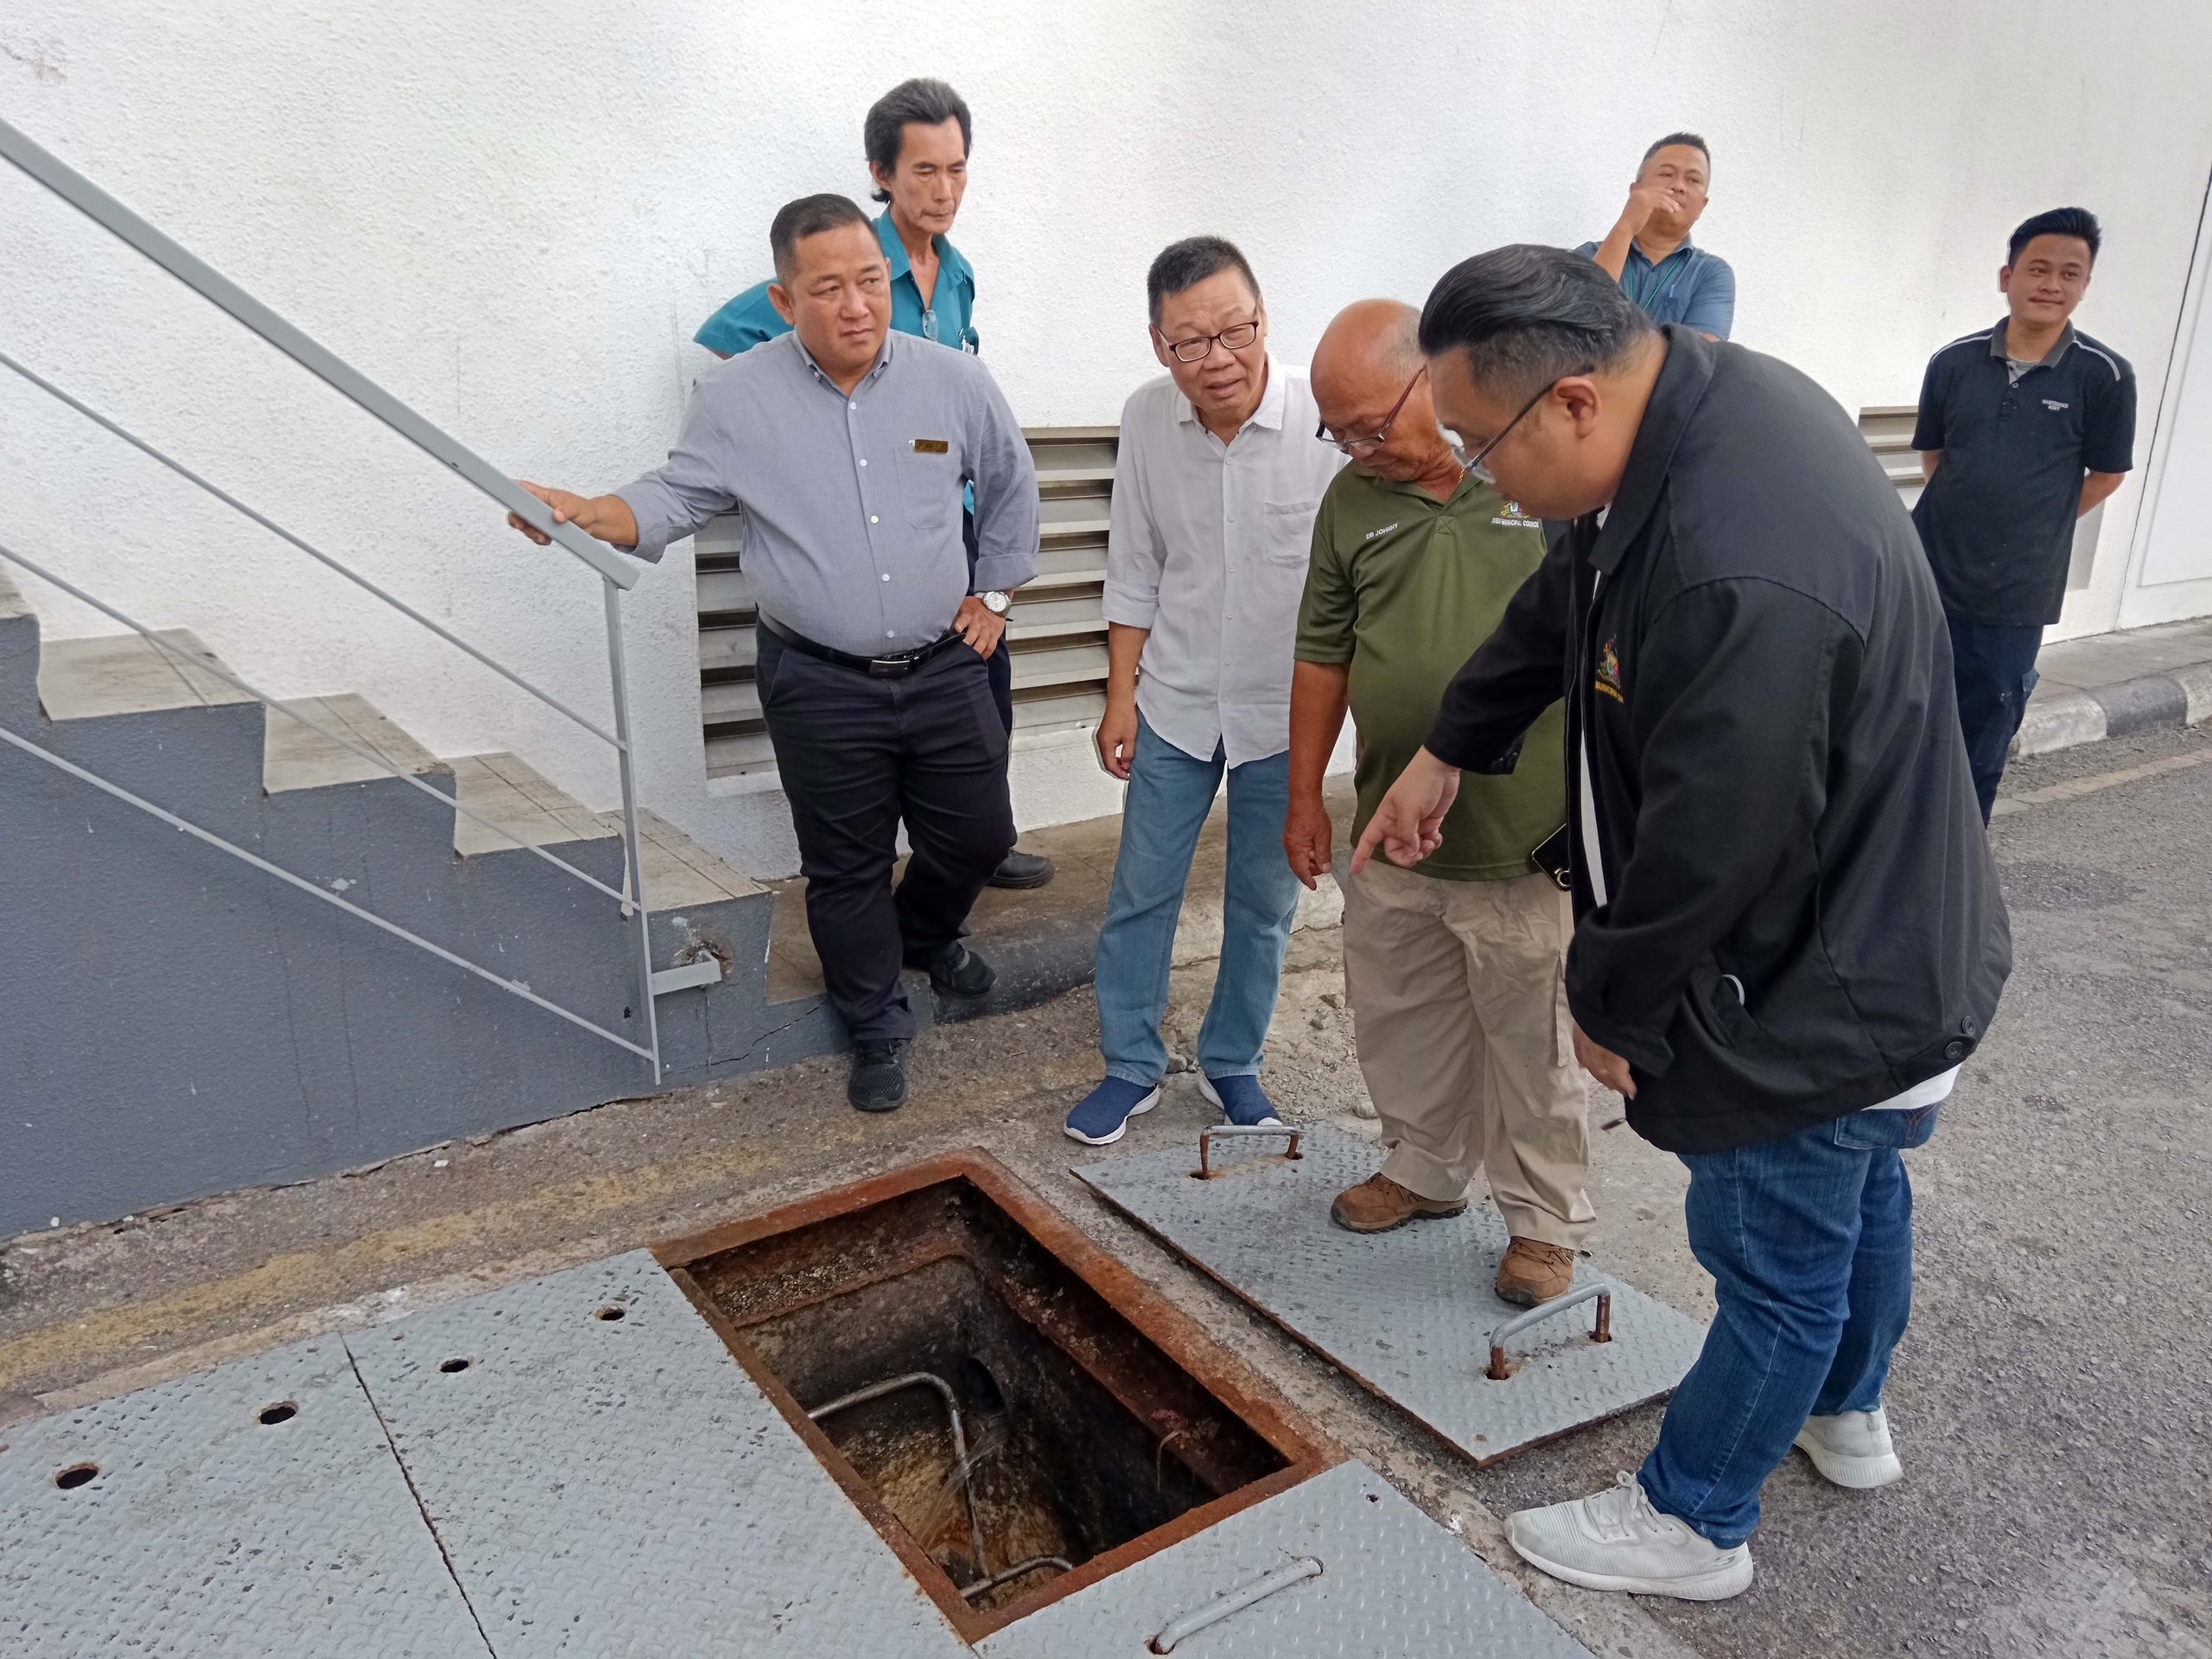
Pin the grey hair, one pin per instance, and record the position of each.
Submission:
(1687, 140)
(921, 102)
(1527, 316)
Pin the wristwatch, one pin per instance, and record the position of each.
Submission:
(995, 602)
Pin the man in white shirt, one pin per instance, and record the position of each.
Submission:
(1217, 482)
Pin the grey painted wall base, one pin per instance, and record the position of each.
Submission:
(173, 1023)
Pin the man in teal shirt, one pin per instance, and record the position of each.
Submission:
(917, 138)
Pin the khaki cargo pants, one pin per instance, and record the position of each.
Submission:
(1459, 1006)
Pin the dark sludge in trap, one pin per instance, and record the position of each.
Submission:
(994, 1403)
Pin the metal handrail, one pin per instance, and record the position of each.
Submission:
(316, 358)
(306, 547)
(202, 665)
(616, 574)
(305, 886)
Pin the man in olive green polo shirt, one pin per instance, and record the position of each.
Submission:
(1454, 971)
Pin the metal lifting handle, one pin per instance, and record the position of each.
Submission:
(1235, 1602)
(1206, 1141)
(1604, 1331)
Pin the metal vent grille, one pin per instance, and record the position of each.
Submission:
(1057, 634)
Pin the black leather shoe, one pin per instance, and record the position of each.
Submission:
(1018, 870)
(958, 971)
(878, 1082)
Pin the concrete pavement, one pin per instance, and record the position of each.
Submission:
(2051, 1402)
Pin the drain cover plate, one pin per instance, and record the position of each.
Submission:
(1392, 1585)
(609, 1485)
(206, 1530)
(1407, 1313)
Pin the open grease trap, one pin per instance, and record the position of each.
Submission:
(1017, 1415)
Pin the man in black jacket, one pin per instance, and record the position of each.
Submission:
(1788, 929)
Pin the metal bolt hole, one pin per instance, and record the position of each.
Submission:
(283, 1411)
(611, 1313)
(75, 1476)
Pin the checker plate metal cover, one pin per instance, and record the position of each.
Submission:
(1393, 1585)
(620, 1487)
(1408, 1313)
(209, 1534)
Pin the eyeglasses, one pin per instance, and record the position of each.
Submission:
(1474, 463)
(1358, 447)
(1234, 338)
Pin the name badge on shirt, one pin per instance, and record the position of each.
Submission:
(932, 446)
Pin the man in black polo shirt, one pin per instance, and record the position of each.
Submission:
(2024, 428)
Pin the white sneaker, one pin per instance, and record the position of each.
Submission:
(1853, 1448)
(1614, 1540)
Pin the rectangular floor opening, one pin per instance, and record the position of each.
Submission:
(1015, 1413)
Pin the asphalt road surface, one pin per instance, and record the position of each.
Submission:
(2053, 1399)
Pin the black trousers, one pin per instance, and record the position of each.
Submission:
(1994, 668)
(857, 755)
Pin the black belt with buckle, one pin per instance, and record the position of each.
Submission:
(894, 667)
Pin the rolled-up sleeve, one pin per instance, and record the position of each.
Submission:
(693, 484)
(1134, 556)
(1006, 491)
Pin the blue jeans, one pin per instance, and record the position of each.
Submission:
(1170, 794)
(1808, 1239)
(1994, 670)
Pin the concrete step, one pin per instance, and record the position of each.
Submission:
(128, 674)
(295, 756)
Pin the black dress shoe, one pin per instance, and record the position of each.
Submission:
(1019, 869)
(958, 971)
(878, 1082)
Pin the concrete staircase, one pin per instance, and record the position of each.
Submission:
(173, 1022)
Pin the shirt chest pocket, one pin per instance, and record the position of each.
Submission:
(929, 483)
(1287, 531)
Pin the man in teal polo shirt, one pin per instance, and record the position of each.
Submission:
(1454, 971)
(917, 138)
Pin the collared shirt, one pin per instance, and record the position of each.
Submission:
(948, 317)
(1402, 588)
(1207, 548)
(1689, 286)
(1997, 520)
(852, 531)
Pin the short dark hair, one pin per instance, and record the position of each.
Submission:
(1526, 316)
(1190, 262)
(932, 103)
(809, 216)
(2059, 221)
(1688, 140)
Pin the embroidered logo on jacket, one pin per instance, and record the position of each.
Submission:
(1373, 535)
(1609, 672)
(2053, 404)
(1511, 516)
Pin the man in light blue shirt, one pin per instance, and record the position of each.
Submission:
(1649, 251)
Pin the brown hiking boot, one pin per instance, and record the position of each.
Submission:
(1534, 1272)
(1378, 1204)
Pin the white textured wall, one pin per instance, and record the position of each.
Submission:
(513, 216)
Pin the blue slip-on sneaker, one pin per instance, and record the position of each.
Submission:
(1101, 1116)
(1243, 1101)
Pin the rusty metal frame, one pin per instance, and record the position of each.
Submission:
(1170, 1330)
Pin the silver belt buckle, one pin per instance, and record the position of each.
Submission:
(889, 668)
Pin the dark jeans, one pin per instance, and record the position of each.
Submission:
(858, 754)
(1995, 670)
(1808, 1239)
